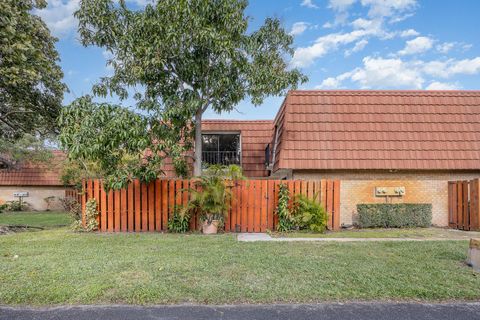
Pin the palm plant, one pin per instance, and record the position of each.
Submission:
(212, 193)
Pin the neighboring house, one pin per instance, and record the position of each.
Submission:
(39, 180)
(415, 140)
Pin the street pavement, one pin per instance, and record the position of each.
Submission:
(331, 311)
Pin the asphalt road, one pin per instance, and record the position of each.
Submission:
(334, 311)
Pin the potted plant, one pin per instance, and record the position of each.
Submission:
(212, 194)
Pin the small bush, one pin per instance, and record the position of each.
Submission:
(179, 222)
(14, 206)
(285, 218)
(309, 214)
(91, 215)
(394, 215)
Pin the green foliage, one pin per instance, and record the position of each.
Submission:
(14, 206)
(91, 215)
(285, 218)
(187, 56)
(31, 90)
(309, 214)
(26, 148)
(113, 140)
(394, 215)
(179, 222)
(210, 198)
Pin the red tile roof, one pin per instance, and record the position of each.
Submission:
(358, 129)
(27, 174)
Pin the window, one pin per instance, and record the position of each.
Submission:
(221, 148)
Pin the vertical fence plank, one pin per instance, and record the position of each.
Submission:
(459, 205)
(130, 210)
(276, 184)
(103, 208)
(336, 205)
(123, 217)
(151, 206)
(138, 205)
(270, 203)
(158, 205)
(171, 197)
(329, 203)
(116, 210)
(466, 220)
(264, 206)
(84, 200)
(193, 218)
(96, 195)
(110, 211)
(164, 204)
(244, 204)
(144, 192)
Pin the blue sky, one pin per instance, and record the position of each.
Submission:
(339, 44)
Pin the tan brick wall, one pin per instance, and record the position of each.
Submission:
(420, 187)
(35, 196)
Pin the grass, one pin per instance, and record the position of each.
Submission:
(61, 267)
(386, 233)
(35, 219)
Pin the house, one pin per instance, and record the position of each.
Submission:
(384, 146)
(36, 181)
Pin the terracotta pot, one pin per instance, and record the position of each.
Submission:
(210, 228)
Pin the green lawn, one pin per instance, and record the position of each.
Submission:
(35, 219)
(61, 267)
(386, 233)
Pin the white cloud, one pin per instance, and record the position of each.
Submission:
(334, 82)
(445, 47)
(409, 33)
(340, 5)
(359, 46)
(387, 73)
(305, 56)
(442, 86)
(417, 45)
(298, 28)
(452, 67)
(387, 8)
(58, 16)
(309, 4)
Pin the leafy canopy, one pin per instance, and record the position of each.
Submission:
(180, 57)
(31, 90)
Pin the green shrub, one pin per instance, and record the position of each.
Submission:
(285, 219)
(309, 214)
(14, 206)
(394, 215)
(179, 222)
(91, 214)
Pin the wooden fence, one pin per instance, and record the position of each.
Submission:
(147, 207)
(464, 205)
(74, 194)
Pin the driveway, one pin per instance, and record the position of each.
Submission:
(332, 311)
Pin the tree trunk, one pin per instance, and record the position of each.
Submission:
(197, 166)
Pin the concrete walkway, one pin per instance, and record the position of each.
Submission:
(258, 237)
(323, 311)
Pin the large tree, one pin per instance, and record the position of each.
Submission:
(185, 56)
(31, 88)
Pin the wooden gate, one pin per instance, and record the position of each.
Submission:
(463, 205)
(147, 207)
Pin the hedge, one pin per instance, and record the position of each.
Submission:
(394, 215)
